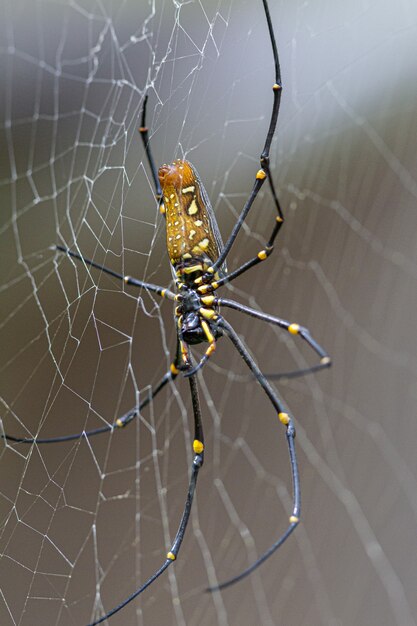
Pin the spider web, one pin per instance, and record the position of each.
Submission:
(84, 523)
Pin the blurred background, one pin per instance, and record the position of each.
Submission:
(82, 524)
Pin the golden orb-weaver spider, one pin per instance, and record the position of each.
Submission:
(198, 259)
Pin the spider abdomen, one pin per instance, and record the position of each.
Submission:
(193, 238)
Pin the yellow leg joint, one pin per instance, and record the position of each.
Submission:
(294, 329)
(284, 418)
(262, 255)
(276, 87)
(171, 556)
(208, 314)
(261, 174)
(207, 332)
(210, 349)
(126, 279)
(294, 519)
(162, 209)
(120, 423)
(198, 446)
(208, 300)
(184, 352)
(174, 370)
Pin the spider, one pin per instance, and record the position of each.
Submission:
(198, 262)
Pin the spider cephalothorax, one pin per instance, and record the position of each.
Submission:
(196, 317)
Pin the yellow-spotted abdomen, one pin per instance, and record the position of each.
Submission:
(192, 233)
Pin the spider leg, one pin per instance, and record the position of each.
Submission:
(292, 328)
(266, 252)
(129, 280)
(119, 423)
(198, 448)
(146, 144)
(210, 350)
(261, 175)
(285, 419)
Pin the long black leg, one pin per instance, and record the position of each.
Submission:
(262, 174)
(261, 256)
(198, 448)
(119, 423)
(285, 419)
(146, 143)
(292, 328)
(128, 280)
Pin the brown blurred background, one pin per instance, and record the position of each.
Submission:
(83, 524)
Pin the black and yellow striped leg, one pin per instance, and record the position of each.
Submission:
(210, 350)
(128, 280)
(263, 254)
(119, 423)
(293, 328)
(263, 173)
(287, 421)
(228, 245)
(198, 449)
